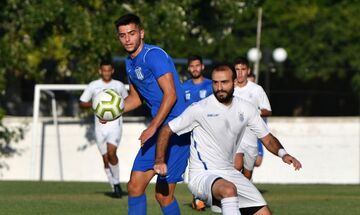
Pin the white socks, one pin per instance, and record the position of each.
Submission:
(109, 176)
(230, 206)
(115, 173)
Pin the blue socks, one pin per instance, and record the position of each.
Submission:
(171, 209)
(137, 205)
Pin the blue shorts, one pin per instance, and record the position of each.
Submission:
(176, 157)
(260, 148)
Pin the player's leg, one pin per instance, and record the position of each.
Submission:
(114, 167)
(136, 191)
(177, 157)
(165, 196)
(226, 192)
(101, 144)
(239, 161)
(250, 154)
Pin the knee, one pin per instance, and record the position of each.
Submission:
(133, 188)
(111, 155)
(163, 200)
(229, 190)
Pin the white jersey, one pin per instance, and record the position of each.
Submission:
(97, 86)
(256, 95)
(216, 131)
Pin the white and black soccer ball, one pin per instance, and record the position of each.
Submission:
(108, 105)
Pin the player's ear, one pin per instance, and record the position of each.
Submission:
(248, 71)
(112, 71)
(202, 66)
(142, 33)
(99, 71)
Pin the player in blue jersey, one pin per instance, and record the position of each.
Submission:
(153, 78)
(195, 89)
(198, 87)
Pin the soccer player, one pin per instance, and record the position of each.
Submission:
(249, 150)
(196, 88)
(108, 135)
(217, 123)
(153, 78)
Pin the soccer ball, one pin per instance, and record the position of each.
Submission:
(108, 105)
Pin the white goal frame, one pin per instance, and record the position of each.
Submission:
(48, 89)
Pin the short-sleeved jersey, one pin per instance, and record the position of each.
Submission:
(143, 72)
(196, 92)
(96, 87)
(256, 95)
(216, 131)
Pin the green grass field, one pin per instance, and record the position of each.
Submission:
(21, 197)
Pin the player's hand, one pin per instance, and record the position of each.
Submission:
(147, 134)
(102, 121)
(160, 168)
(291, 160)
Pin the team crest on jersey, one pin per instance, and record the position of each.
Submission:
(139, 73)
(202, 93)
(187, 95)
(241, 117)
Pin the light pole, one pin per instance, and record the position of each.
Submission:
(279, 55)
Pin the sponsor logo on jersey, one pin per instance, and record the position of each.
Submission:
(212, 114)
(202, 93)
(138, 73)
(241, 117)
(187, 95)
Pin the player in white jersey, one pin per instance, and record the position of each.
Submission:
(108, 135)
(217, 124)
(248, 151)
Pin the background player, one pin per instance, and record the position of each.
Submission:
(152, 77)
(108, 135)
(248, 150)
(195, 89)
(217, 122)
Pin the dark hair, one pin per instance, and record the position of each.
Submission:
(241, 60)
(224, 67)
(106, 61)
(194, 57)
(128, 19)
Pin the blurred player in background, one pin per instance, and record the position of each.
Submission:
(248, 150)
(195, 89)
(259, 158)
(108, 135)
(153, 78)
(217, 122)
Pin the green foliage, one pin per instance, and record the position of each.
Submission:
(8, 136)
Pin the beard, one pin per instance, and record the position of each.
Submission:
(224, 98)
(195, 75)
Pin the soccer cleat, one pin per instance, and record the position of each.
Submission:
(198, 205)
(117, 191)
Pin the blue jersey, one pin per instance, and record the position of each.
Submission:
(196, 92)
(144, 70)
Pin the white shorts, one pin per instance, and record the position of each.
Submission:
(200, 183)
(250, 153)
(105, 136)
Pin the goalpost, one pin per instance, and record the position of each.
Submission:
(48, 89)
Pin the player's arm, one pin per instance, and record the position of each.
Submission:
(85, 104)
(166, 83)
(133, 100)
(161, 147)
(265, 113)
(272, 144)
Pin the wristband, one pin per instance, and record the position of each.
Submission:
(282, 153)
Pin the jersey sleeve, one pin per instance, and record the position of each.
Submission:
(263, 100)
(186, 121)
(256, 124)
(87, 94)
(158, 62)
